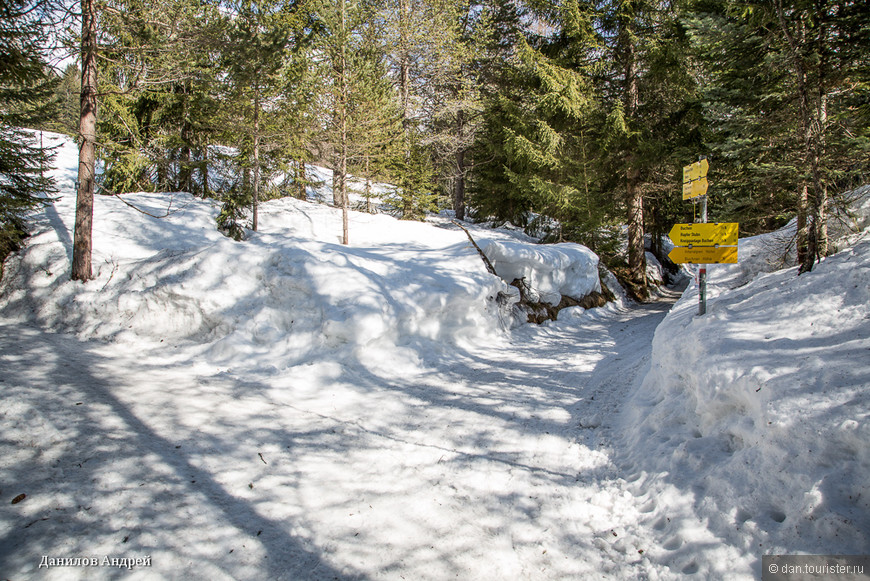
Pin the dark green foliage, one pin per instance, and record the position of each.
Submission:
(766, 132)
(564, 129)
(67, 97)
(415, 193)
(158, 107)
(232, 215)
(26, 89)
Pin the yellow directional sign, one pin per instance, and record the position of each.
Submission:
(695, 179)
(687, 173)
(695, 171)
(695, 189)
(704, 255)
(711, 234)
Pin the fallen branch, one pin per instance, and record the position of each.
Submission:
(169, 210)
(489, 267)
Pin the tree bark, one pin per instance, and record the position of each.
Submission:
(345, 238)
(185, 171)
(204, 172)
(811, 119)
(256, 202)
(801, 238)
(459, 180)
(83, 233)
(300, 180)
(459, 186)
(633, 192)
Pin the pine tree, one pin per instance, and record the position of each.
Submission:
(361, 112)
(83, 231)
(257, 39)
(67, 96)
(158, 88)
(375, 128)
(426, 59)
(788, 82)
(452, 101)
(26, 88)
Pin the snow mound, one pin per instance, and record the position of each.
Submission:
(552, 270)
(757, 413)
(281, 295)
(163, 273)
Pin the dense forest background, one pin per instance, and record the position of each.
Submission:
(570, 118)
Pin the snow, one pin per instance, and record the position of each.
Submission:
(753, 418)
(291, 408)
(552, 270)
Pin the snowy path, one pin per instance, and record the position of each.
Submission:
(482, 465)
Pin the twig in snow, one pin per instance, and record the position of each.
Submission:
(489, 267)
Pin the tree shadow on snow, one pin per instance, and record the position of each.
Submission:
(100, 481)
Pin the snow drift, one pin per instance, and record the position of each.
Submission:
(756, 414)
(164, 273)
(551, 270)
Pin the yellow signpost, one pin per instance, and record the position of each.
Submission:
(704, 255)
(702, 243)
(695, 179)
(710, 234)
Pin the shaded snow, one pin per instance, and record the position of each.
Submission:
(291, 408)
(551, 270)
(754, 418)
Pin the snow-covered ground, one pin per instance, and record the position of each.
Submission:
(290, 408)
(752, 422)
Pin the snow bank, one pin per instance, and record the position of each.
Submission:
(755, 416)
(552, 270)
(278, 297)
(163, 273)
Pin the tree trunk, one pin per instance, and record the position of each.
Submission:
(82, 237)
(203, 170)
(256, 202)
(368, 188)
(636, 251)
(633, 192)
(300, 180)
(404, 64)
(459, 180)
(185, 172)
(459, 186)
(345, 239)
(801, 238)
(821, 141)
(811, 119)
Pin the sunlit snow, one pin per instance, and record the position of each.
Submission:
(291, 408)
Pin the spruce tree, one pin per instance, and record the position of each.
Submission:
(787, 88)
(26, 89)
(647, 95)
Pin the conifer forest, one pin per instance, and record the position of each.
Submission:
(569, 118)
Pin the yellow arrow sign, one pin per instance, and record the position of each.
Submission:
(695, 189)
(722, 233)
(687, 190)
(704, 255)
(695, 171)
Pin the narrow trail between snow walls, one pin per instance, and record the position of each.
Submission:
(481, 463)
